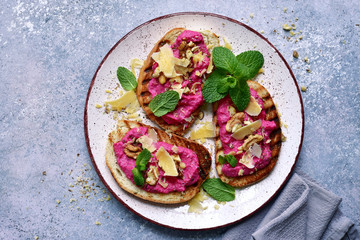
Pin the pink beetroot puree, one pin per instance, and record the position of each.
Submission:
(190, 172)
(231, 144)
(189, 102)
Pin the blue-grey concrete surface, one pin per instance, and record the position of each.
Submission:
(49, 52)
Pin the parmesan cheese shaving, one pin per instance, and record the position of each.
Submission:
(195, 205)
(255, 150)
(166, 162)
(205, 131)
(147, 143)
(211, 66)
(132, 107)
(227, 44)
(241, 132)
(166, 60)
(253, 108)
(123, 101)
(153, 135)
(176, 158)
(178, 88)
(198, 58)
(247, 160)
(136, 63)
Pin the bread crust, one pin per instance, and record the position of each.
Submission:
(166, 198)
(275, 144)
(145, 75)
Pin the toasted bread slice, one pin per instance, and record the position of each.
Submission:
(146, 74)
(168, 198)
(275, 144)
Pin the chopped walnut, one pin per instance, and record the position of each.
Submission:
(231, 110)
(238, 118)
(152, 175)
(251, 140)
(132, 151)
(201, 115)
(182, 45)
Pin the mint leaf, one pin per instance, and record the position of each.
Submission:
(222, 159)
(219, 190)
(210, 89)
(224, 59)
(142, 159)
(126, 78)
(164, 102)
(240, 95)
(253, 60)
(228, 158)
(138, 177)
(231, 160)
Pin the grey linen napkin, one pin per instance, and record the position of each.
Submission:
(303, 210)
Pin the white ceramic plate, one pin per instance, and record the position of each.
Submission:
(278, 79)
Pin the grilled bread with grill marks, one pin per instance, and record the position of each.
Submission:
(275, 144)
(146, 73)
(167, 198)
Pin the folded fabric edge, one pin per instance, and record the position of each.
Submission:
(270, 221)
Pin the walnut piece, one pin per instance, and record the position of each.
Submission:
(132, 151)
(152, 175)
(251, 140)
(182, 45)
(237, 119)
(231, 110)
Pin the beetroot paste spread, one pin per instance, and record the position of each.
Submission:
(188, 175)
(231, 144)
(191, 99)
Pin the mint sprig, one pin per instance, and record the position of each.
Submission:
(126, 78)
(219, 190)
(230, 76)
(164, 102)
(228, 158)
(141, 162)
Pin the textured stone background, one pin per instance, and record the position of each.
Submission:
(49, 52)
